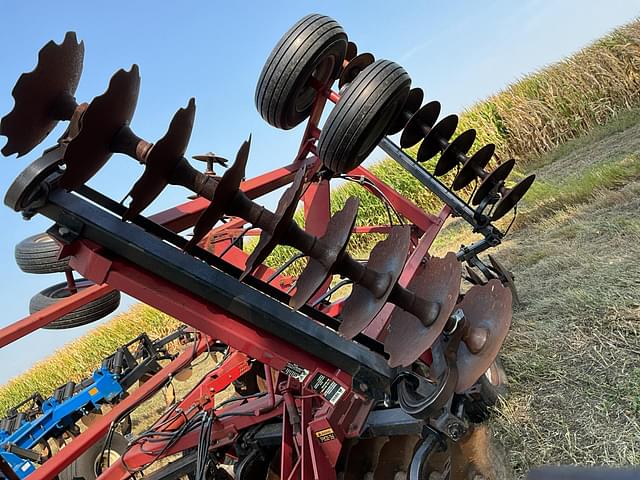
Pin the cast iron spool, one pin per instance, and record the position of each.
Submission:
(271, 237)
(511, 197)
(225, 191)
(494, 178)
(162, 161)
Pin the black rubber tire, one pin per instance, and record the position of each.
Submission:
(490, 387)
(88, 313)
(39, 254)
(363, 115)
(85, 466)
(316, 45)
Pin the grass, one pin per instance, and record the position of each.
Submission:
(574, 348)
(572, 354)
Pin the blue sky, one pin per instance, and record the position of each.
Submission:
(458, 52)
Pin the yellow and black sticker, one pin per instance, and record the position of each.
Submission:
(325, 435)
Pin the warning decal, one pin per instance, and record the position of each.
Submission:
(325, 435)
(326, 387)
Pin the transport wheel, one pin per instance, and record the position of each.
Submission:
(39, 254)
(362, 116)
(314, 47)
(88, 313)
(489, 388)
(91, 463)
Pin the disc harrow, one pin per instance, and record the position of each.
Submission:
(404, 338)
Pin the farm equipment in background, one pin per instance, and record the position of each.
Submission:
(387, 381)
(29, 426)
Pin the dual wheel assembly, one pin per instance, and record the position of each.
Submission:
(39, 254)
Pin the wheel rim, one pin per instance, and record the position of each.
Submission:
(104, 460)
(322, 73)
(64, 292)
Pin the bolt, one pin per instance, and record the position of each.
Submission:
(455, 431)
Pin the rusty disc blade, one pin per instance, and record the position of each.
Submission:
(437, 138)
(363, 458)
(487, 309)
(512, 197)
(43, 96)
(411, 106)
(456, 150)
(408, 338)
(226, 189)
(471, 168)
(506, 277)
(419, 124)
(333, 243)
(105, 116)
(498, 175)
(395, 457)
(387, 259)
(162, 160)
(283, 217)
(474, 277)
(354, 67)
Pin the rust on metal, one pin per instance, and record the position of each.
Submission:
(386, 262)
(225, 191)
(395, 457)
(408, 337)
(282, 219)
(487, 309)
(323, 258)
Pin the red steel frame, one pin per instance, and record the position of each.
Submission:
(305, 414)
